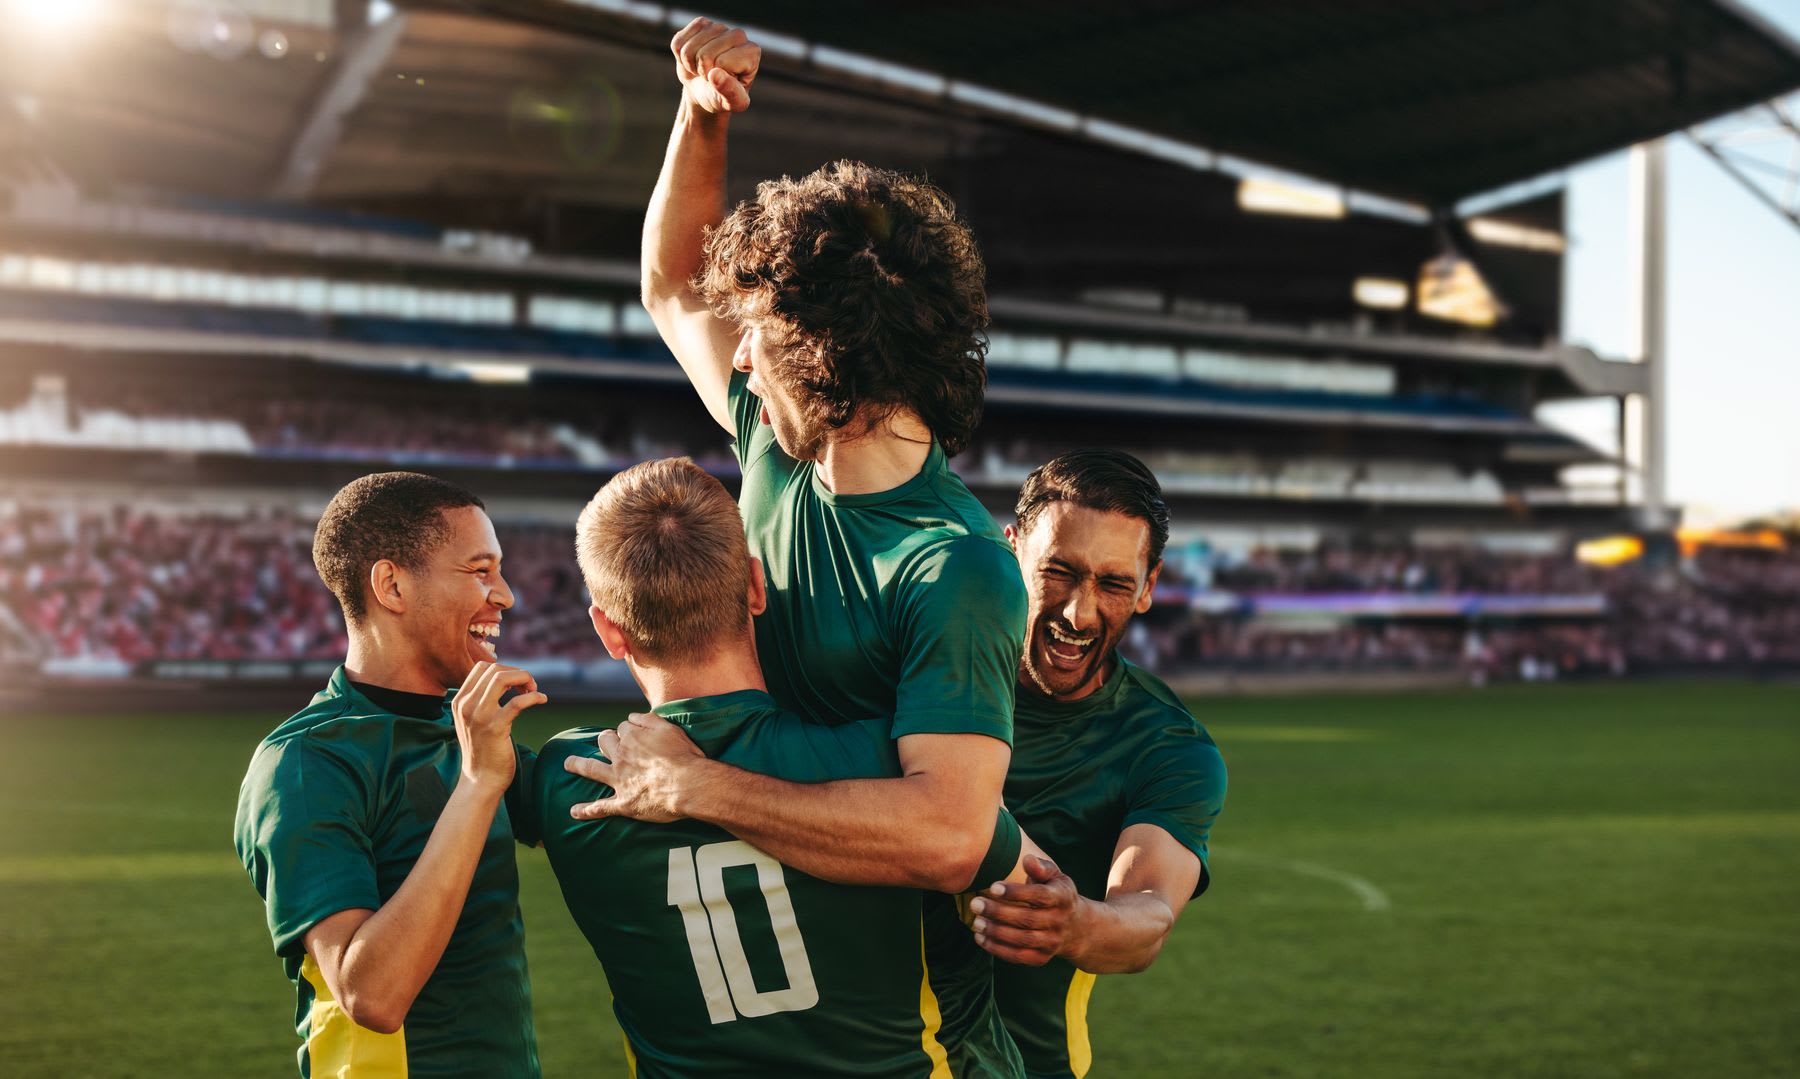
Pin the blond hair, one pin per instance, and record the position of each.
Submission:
(662, 552)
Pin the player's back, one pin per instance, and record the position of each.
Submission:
(723, 961)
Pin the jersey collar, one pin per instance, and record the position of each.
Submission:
(1030, 704)
(707, 719)
(933, 467)
(340, 687)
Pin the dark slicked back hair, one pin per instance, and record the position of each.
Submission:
(1105, 480)
(398, 516)
(870, 292)
(662, 552)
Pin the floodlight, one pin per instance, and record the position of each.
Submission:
(1382, 292)
(493, 372)
(1491, 230)
(1259, 194)
(1609, 550)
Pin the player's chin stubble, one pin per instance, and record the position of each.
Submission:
(1041, 676)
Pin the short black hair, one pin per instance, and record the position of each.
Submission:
(396, 516)
(1105, 480)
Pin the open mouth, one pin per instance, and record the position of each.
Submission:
(485, 634)
(1066, 651)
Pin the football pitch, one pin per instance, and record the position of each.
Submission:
(1528, 881)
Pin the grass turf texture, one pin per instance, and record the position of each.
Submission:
(1530, 881)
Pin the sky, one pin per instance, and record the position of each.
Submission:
(1733, 303)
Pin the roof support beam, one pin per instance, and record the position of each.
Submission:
(364, 55)
(1760, 148)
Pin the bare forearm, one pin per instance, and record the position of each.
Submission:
(1121, 935)
(905, 832)
(689, 197)
(392, 954)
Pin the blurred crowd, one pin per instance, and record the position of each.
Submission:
(377, 429)
(1722, 607)
(134, 584)
(1334, 568)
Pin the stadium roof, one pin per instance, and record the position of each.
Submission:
(1431, 100)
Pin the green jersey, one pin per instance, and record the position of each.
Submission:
(723, 961)
(334, 811)
(1083, 772)
(904, 604)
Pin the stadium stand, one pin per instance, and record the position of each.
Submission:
(98, 586)
(189, 318)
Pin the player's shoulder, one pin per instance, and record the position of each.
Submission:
(328, 753)
(574, 742)
(956, 511)
(333, 727)
(1157, 708)
(948, 555)
(555, 788)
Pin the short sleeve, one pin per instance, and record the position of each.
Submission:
(521, 807)
(303, 837)
(863, 749)
(751, 436)
(1003, 850)
(962, 614)
(1180, 788)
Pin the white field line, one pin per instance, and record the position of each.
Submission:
(1373, 898)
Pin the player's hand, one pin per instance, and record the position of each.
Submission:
(651, 765)
(716, 65)
(484, 726)
(1029, 923)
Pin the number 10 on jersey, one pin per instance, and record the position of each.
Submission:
(697, 889)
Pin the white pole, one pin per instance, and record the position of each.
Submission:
(1649, 188)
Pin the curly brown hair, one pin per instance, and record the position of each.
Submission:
(870, 291)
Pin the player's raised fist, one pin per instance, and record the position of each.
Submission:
(484, 725)
(716, 65)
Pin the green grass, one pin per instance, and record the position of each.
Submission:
(1579, 881)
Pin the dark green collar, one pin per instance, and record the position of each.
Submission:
(933, 467)
(381, 699)
(1034, 705)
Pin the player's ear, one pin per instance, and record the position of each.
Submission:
(1012, 537)
(610, 634)
(759, 588)
(1145, 598)
(386, 582)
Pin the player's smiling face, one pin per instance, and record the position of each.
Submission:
(1086, 574)
(460, 596)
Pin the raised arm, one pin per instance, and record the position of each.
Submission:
(375, 962)
(930, 828)
(716, 66)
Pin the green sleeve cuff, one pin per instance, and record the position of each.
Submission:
(1003, 852)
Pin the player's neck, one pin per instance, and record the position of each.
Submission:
(887, 456)
(731, 670)
(378, 659)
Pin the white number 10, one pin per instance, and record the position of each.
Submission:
(697, 888)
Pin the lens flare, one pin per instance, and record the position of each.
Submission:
(49, 16)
